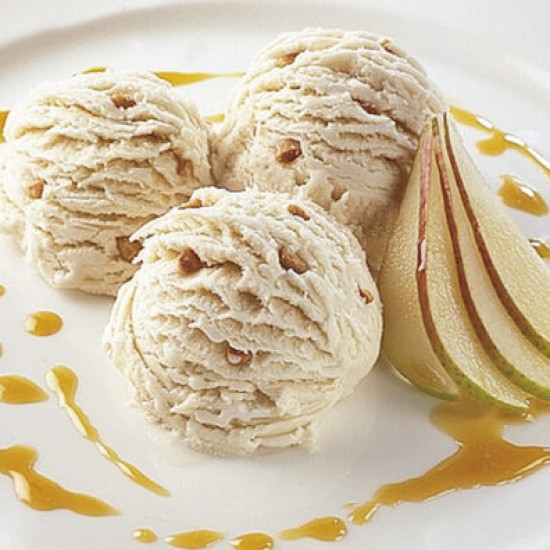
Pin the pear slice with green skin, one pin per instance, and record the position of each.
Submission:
(523, 284)
(446, 321)
(505, 344)
(405, 342)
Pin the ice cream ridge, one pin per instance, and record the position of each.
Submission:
(334, 116)
(251, 315)
(86, 162)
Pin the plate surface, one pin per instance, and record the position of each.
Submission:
(381, 434)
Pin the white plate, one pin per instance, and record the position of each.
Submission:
(379, 435)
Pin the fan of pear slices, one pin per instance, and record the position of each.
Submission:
(466, 298)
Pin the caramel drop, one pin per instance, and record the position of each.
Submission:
(253, 541)
(201, 538)
(517, 194)
(43, 323)
(327, 529)
(145, 535)
(17, 390)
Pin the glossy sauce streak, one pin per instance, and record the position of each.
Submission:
(499, 141)
(517, 194)
(183, 79)
(177, 78)
(219, 117)
(541, 248)
(194, 539)
(64, 382)
(483, 458)
(17, 390)
(3, 116)
(327, 529)
(253, 541)
(39, 492)
(145, 535)
(43, 323)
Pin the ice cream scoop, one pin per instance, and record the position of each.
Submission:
(251, 315)
(330, 115)
(86, 162)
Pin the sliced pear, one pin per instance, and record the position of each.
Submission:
(519, 276)
(446, 320)
(405, 342)
(501, 338)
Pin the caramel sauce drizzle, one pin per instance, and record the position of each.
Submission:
(3, 117)
(517, 194)
(43, 323)
(64, 382)
(39, 492)
(184, 79)
(483, 458)
(17, 390)
(326, 529)
(214, 119)
(201, 538)
(145, 535)
(499, 141)
(177, 78)
(253, 541)
(541, 248)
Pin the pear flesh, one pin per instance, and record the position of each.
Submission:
(466, 299)
(445, 317)
(405, 341)
(508, 347)
(519, 276)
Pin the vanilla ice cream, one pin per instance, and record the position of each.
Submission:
(252, 314)
(333, 116)
(86, 162)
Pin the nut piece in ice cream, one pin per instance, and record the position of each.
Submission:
(89, 160)
(333, 116)
(288, 150)
(127, 249)
(290, 259)
(189, 261)
(245, 354)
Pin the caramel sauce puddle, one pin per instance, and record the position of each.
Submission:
(43, 323)
(145, 535)
(64, 382)
(541, 248)
(40, 493)
(483, 458)
(3, 117)
(184, 79)
(326, 529)
(177, 78)
(17, 390)
(499, 141)
(201, 538)
(253, 541)
(517, 194)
